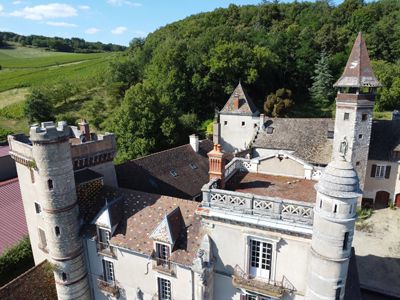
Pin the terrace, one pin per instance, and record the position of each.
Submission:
(264, 199)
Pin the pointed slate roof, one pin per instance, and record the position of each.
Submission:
(358, 71)
(170, 228)
(246, 105)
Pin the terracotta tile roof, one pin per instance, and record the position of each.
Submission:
(273, 186)
(246, 105)
(308, 138)
(143, 212)
(4, 150)
(154, 173)
(358, 71)
(12, 216)
(36, 283)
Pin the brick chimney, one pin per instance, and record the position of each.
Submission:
(216, 160)
(85, 130)
(236, 101)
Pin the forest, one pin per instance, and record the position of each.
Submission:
(76, 45)
(172, 81)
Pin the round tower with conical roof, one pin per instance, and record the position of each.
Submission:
(333, 229)
(56, 188)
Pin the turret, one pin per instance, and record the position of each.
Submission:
(51, 155)
(354, 105)
(333, 229)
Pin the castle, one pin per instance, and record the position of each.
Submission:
(273, 224)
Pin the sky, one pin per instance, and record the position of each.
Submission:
(108, 21)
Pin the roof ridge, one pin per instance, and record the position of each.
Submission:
(8, 181)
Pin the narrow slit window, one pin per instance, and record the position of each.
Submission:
(50, 184)
(320, 203)
(345, 240)
(364, 117)
(335, 208)
(346, 116)
(38, 209)
(64, 276)
(57, 230)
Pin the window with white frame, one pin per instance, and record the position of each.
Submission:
(164, 289)
(108, 269)
(260, 258)
(380, 171)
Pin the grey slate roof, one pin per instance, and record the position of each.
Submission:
(308, 138)
(246, 105)
(385, 138)
(152, 173)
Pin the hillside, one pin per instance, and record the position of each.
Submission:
(175, 78)
(23, 68)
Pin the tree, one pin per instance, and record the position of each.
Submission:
(321, 91)
(38, 107)
(279, 103)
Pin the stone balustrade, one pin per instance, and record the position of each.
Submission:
(250, 204)
(237, 164)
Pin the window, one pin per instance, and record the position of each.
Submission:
(173, 173)
(345, 240)
(255, 297)
(320, 203)
(260, 258)
(225, 122)
(50, 184)
(357, 163)
(335, 208)
(104, 237)
(330, 134)
(346, 116)
(243, 123)
(164, 289)
(38, 209)
(42, 239)
(351, 209)
(108, 269)
(270, 130)
(364, 117)
(337, 296)
(32, 175)
(360, 136)
(64, 276)
(380, 171)
(162, 251)
(57, 230)
(193, 166)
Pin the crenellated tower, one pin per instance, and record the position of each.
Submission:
(354, 106)
(333, 229)
(54, 181)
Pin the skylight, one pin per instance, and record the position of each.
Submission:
(173, 173)
(270, 130)
(193, 166)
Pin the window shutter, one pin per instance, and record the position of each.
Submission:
(373, 170)
(387, 173)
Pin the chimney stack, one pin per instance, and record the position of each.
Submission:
(216, 160)
(194, 142)
(85, 130)
(236, 101)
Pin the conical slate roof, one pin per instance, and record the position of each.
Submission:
(246, 106)
(339, 180)
(358, 71)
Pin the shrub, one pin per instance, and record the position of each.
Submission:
(15, 261)
(4, 133)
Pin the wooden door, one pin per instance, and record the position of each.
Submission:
(381, 200)
(398, 200)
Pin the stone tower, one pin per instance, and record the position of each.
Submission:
(354, 105)
(333, 229)
(51, 155)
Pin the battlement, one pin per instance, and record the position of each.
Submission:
(48, 132)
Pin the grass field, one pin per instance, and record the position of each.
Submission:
(23, 68)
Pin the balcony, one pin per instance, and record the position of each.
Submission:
(164, 266)
(105, 249)
(108, 288)
(267, 287)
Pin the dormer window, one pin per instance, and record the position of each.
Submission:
(103, 244)
(193, 166)
(173, 173)
(162, 252)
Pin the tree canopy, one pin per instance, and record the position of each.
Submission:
(191, 66)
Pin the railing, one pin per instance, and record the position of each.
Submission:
(164, 266)
(264, 286)
(105, 249)
(109, 287)
(237, 164)
(244, 203)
